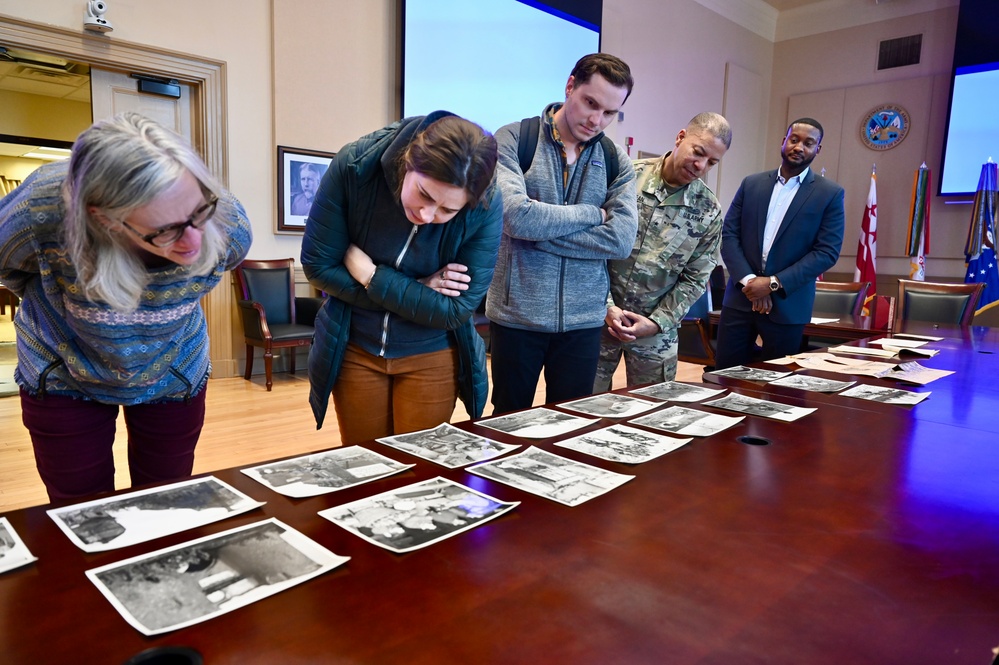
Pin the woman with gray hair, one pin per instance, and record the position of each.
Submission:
(110, 253)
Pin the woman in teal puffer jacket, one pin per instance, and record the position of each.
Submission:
(402, 237)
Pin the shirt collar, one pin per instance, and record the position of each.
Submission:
(549, 119)
(800, 177)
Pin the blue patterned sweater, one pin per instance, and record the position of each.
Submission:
(68, 345)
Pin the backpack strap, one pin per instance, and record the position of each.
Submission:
(530, 128)
(611, 165)
(527, 145)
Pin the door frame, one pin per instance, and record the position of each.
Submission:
(209, 126)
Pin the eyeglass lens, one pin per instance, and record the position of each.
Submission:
(170, 235)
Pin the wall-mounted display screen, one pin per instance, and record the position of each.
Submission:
(972, 122)
(972, 129)
(493, 61)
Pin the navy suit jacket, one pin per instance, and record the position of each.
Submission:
(807, 244)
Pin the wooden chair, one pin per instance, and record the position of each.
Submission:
(938, 302)
(695, 344)
(273, 316)
(840, 297)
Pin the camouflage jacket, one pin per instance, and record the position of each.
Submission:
(675, 251)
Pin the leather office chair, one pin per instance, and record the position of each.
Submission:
(937, 302)
(695, 343)
(273, 316)
(837, 299)
(842, 298)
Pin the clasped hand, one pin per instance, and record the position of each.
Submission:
(758, 291)
(629, 326)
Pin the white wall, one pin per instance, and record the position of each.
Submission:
(205, 28)
(678, 52)
(318, 73)
(833, 76)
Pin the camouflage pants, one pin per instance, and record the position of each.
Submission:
(647, 360)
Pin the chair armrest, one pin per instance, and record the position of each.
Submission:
(695, 332)
(254, 319)
(307, 309)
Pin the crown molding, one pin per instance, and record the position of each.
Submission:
(816, 17)
(830, 15)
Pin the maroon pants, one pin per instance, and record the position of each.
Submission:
(73, 440)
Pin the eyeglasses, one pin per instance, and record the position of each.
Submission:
(168, 235)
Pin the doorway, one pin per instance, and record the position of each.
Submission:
(205, 79)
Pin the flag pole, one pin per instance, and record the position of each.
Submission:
(917, 240)
(980, 248)
(866, 270)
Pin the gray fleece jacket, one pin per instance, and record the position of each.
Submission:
(551, 273)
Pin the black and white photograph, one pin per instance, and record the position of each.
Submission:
(13, 552)
(551, 476)
(760, 407)
(299, 174)
(539, 423)
(417, 515)
(448, 446)
(610, 405)
(127, 519)
(620, 443)
(885, 395)
(674, 391)
(329, 471)
(815, 384)
(913, 372)
(749, 373)
(195, 581)
(687, 422)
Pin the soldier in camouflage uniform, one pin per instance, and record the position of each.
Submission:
(679, 231)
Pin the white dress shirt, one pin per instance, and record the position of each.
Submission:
(780, 199)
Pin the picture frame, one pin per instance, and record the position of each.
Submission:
(299, 170)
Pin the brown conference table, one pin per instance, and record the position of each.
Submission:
(845, 326)
(863, 533)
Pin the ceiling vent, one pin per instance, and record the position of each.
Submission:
(899, 52)
(33, 73)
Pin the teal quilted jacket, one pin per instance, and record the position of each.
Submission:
(342, 215)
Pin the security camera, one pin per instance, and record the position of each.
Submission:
(93, 16)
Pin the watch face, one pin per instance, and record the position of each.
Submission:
(774, 284)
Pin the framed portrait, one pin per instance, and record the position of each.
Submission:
(299, 173)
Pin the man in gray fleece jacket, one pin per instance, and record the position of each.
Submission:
(562, 222)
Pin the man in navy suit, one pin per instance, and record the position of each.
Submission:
(783, 230)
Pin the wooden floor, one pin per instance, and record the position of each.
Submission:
(244, 425)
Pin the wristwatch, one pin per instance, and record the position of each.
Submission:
(774, 283)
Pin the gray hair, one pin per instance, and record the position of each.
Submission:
(117, 166)
(714, 124)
